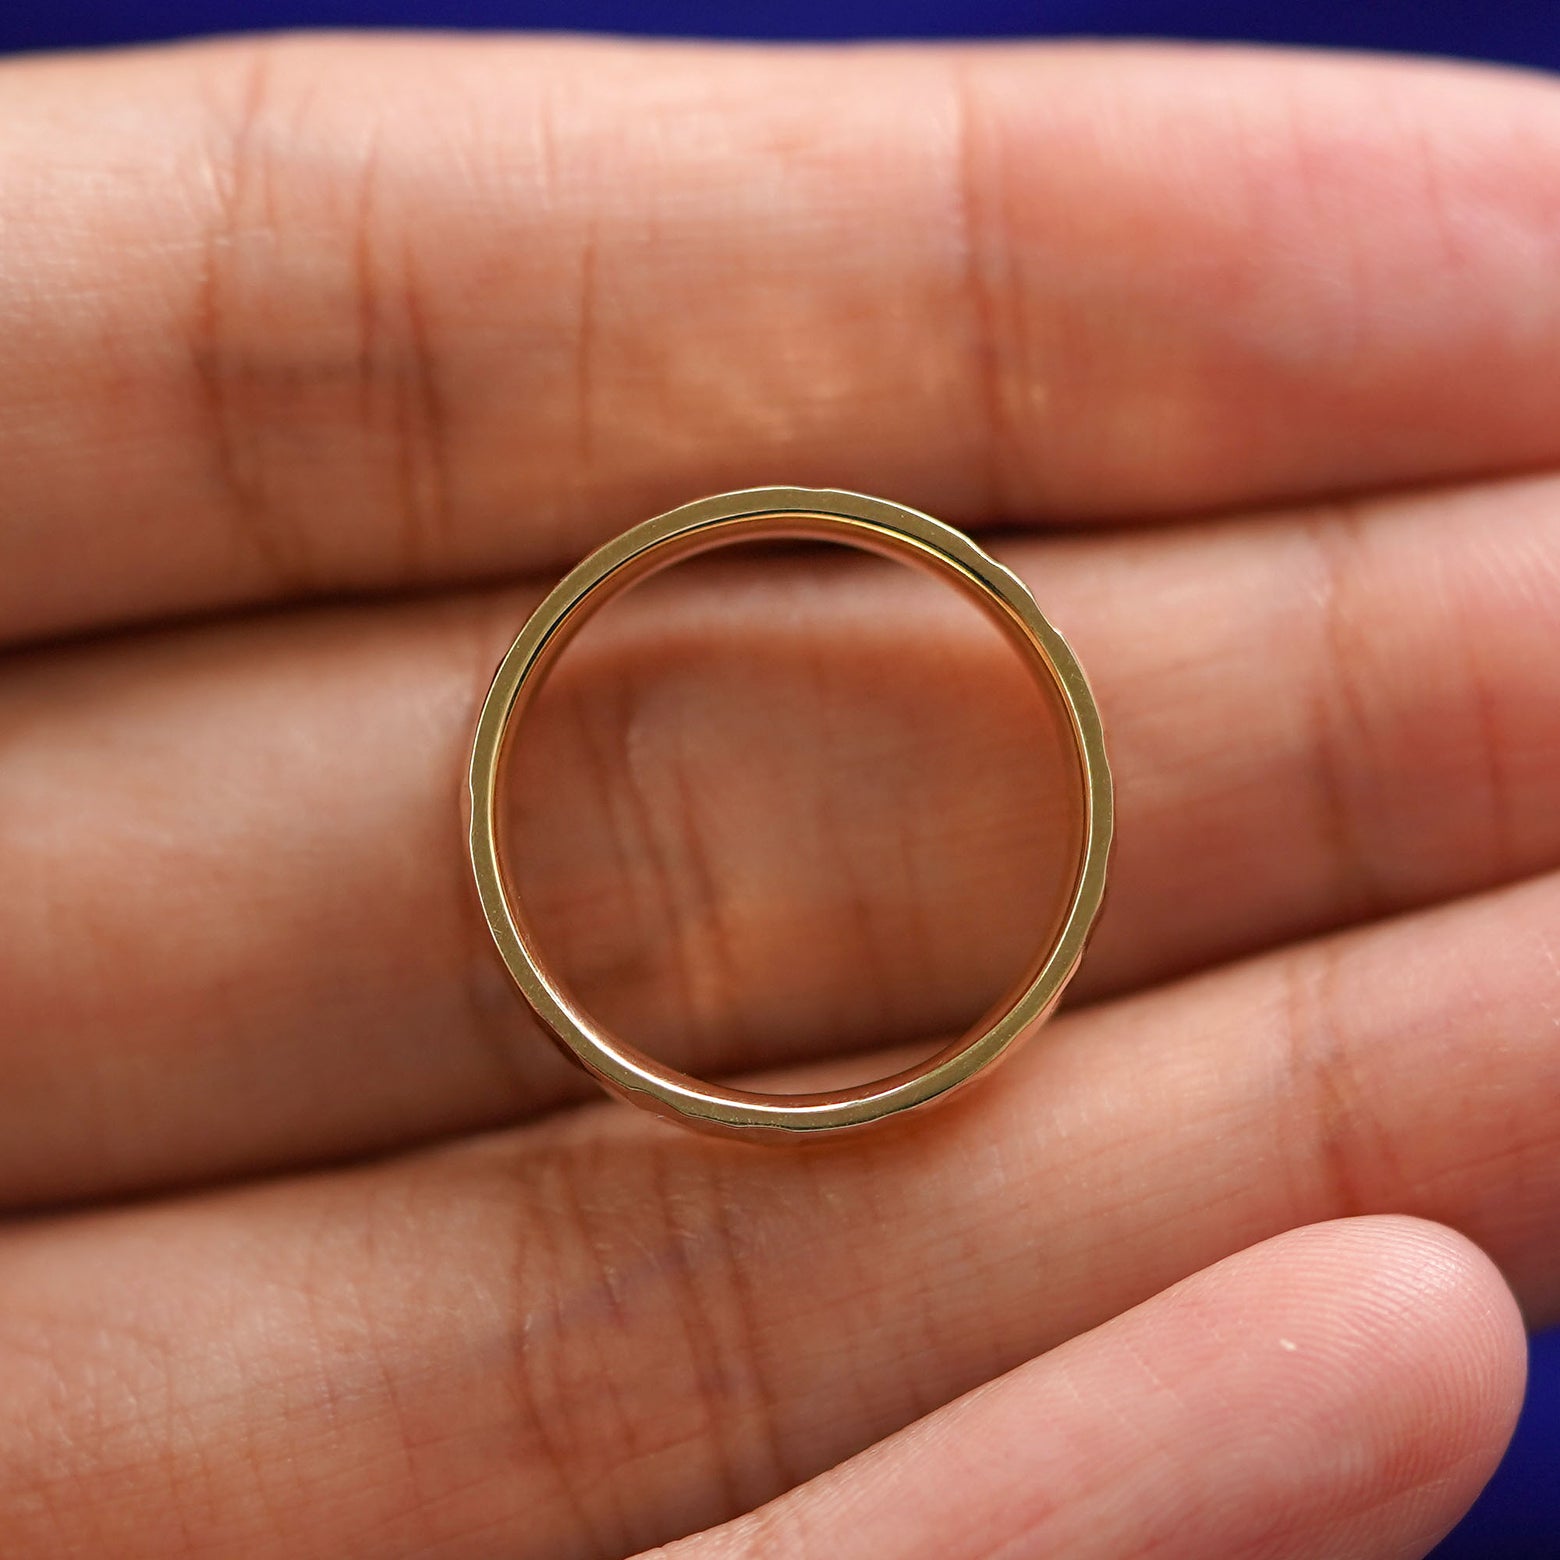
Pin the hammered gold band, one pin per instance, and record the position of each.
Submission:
(874, 525)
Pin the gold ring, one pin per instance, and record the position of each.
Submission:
(877, 526)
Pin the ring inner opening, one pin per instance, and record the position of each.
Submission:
(791, 813)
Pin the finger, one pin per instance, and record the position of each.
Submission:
(240, 930)
(1342, 1390)
(318, 316)
(603, 1333)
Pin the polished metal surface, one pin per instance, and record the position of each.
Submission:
(877, 526)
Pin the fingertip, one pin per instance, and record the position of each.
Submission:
(1427, 1355)
(1476, 1341)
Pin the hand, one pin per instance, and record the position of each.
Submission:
(313, 350)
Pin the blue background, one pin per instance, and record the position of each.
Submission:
(1518, 1517)
(1488, 29)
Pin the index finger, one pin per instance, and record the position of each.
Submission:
(322, 315)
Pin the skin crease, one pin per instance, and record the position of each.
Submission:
(407, 325)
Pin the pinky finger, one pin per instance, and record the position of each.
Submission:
(1339, 1390)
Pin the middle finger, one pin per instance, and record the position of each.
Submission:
(238, 931)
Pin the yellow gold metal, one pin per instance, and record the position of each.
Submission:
(876, 526)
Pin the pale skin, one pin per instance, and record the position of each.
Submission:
(322, 358)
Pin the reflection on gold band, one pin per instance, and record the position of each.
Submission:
(876, 526)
